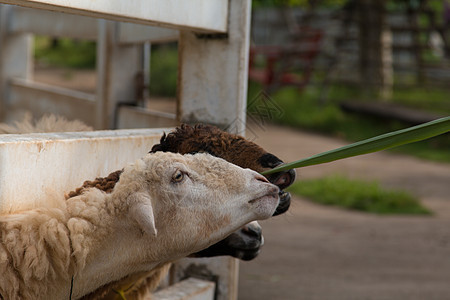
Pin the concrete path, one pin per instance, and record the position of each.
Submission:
(319, 252)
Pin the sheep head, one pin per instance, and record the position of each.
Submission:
(193, 200)
(245, 243)
(231, 147)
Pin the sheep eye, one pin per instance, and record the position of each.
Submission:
(178, 177)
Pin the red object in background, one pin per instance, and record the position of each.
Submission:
(281, 62)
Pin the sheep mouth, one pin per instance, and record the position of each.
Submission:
(267, 197)
(283, 180)
(284, 204)
(265, 205)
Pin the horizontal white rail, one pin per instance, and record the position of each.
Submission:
(209, 16)
(136, 117)
(54, 24)
(136, 33)
(50, 23)
(42, 98)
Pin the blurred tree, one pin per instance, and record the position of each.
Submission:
(375, 48)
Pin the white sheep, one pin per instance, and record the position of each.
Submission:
(164, 207)
(47, 123)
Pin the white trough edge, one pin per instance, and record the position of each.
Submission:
(138, 117)
(37, 167)
(210, 16)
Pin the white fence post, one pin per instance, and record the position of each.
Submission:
(212, 88)
(213, 72)
(15, 57)
(117, 66)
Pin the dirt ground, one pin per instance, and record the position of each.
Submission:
(318, 252)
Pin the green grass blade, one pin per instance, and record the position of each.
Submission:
(378, 143)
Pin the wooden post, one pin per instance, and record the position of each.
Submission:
(213, 71)
(413, 18)
(375, 59)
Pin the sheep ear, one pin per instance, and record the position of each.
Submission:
(142, 211)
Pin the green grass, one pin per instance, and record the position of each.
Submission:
(429, 99)
(65, 53)
(303, 110)
(358, 195)
(69, 53)
(164, 70)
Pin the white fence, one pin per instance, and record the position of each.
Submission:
(213, 41)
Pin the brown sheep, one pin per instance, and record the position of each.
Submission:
(164, 207)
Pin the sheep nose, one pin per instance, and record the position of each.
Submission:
(261, 178)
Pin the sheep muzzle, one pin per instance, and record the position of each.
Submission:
(283, 180)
